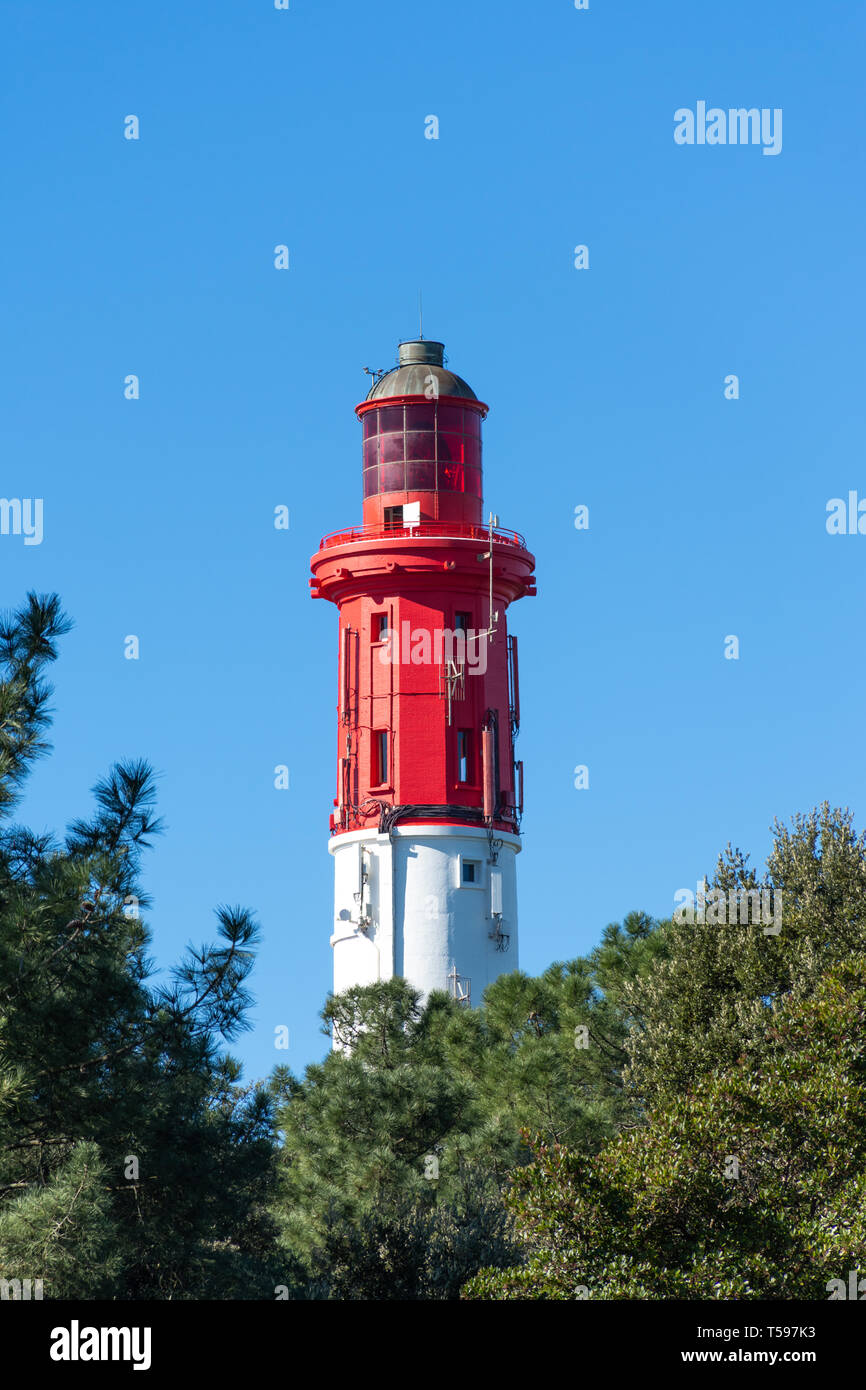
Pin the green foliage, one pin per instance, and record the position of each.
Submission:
(359, 1126)
(27, 644)
(706, 1001)
(445, 1088)
(101, 1071)
(63, 1232)
(679, 1114)
(746, 1176)
(660, 1212)
(412, 1248)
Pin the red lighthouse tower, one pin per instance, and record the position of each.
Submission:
(425, 832)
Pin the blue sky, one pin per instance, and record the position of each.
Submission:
(606, 386)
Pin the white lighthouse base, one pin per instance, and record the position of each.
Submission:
(426, 903)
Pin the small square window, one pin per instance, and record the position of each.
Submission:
(469, 873)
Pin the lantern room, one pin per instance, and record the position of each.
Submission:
(422, 443)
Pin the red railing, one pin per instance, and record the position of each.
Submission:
(457, 530)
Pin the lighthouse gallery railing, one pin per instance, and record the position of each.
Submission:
(447, 530)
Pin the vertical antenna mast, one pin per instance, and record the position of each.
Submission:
(488, 555)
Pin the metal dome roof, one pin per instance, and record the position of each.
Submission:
(420, 359)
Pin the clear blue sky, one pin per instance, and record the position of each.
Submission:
(606, 387)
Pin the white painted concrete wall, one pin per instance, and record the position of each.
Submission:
(402, 907)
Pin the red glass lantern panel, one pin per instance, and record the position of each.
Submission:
(451, 418)
(390, 418)
(392, 447)
(472, 452)
(451, 448)
(450, 477)
(421, 417)
(394, 477)
(421, 477)
(420, 444)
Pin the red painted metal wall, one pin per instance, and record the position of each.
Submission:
(423, 578)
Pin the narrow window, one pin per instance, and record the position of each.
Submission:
(470, 871)
(464, 755)
(462, 622)
(380, 758)
(380, 627)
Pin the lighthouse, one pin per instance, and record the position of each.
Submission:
(425, 830)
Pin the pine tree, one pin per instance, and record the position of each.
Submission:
(132, 1162)
(399, 1145)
